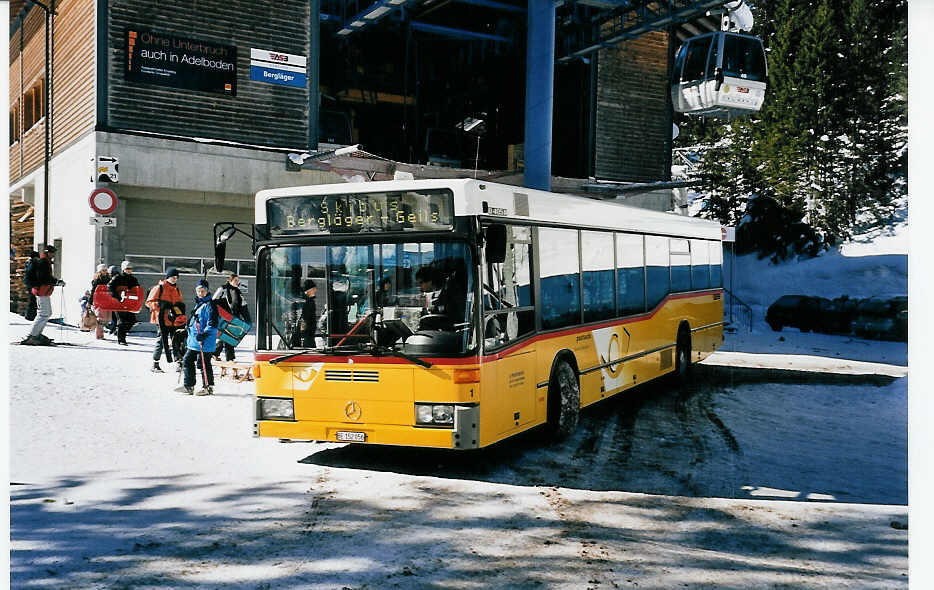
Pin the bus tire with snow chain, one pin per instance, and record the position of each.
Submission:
(683, 357)
(564, 401)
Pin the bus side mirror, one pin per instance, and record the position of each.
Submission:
(220, 252)
(220, 247)
(495, 244)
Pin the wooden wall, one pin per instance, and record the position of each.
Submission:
(74, 95)
(633, 131)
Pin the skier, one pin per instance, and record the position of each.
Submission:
(202, 337)
(29, 273)
(230, 298)
(43, 283)
(118, 286)
(113, 271)
(162, 298)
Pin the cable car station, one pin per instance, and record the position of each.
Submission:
(185, 111)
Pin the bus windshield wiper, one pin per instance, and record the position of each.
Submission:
(378, 350)
(325, 350)
(286, 357)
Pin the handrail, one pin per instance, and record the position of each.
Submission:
(744, 307)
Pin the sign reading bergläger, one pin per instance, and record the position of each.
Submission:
(180, 62)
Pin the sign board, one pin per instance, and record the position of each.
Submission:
(107, 169)
(273, 67)
(103, 221)
(180, 62)
(728, 233)
(103, 201)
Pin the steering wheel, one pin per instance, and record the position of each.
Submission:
(435, 321)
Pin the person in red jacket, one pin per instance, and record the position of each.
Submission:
(161, 300)
(43, 284)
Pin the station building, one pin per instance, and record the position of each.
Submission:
(184, 110)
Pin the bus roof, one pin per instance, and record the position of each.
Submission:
(507, 202)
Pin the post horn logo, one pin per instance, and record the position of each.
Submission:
(353, 411)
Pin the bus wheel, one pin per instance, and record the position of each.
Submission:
(683, 358)
(564, 401)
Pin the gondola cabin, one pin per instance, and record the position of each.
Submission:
(720, 74)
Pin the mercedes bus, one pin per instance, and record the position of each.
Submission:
(457, 313)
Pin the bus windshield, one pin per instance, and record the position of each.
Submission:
(359, 298)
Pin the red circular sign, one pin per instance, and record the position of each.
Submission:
(103, 201)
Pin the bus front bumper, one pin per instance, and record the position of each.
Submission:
(464, 434)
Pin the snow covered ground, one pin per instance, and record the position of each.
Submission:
(784, 465)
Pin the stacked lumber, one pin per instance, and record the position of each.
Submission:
(21, 243)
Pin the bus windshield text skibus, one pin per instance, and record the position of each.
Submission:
(425, 210)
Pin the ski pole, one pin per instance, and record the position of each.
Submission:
(204, 370)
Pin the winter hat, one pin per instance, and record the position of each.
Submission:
(101, 267)
(203, 283)
(51, 249)
(308, 284)
(171, 272)
(112, 270)
(125, 265)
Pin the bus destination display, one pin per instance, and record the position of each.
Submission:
(427, 210)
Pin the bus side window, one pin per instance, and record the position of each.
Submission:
(508, 285)
(716, 263)
(630, 274)
(680, 265)
(700, 264)
(560, 274)
(657, 272)
(597, 263)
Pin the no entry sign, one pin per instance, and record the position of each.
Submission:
(103, 201)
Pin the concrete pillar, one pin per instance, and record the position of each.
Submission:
(539, 93)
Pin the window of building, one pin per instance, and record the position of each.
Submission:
(32, 106)
(630, 273)
(597, 263)
(560, 273)
(14, 124)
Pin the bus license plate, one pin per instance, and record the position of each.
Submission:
(347, 436)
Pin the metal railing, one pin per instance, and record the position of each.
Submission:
(189, 265)
(737, 310)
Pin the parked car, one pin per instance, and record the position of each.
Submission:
(836, 315)
(796, 311)
(882, 319)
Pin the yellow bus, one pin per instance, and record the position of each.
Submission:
(457, 313)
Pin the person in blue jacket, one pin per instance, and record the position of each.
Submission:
(202, 341)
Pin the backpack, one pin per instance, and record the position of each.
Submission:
(30, 276)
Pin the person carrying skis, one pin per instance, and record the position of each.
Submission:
(202, 340)
(230, 298)
(162, 299)
(43, 283)
(117, 286)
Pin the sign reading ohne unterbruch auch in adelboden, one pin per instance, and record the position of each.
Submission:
(180, 62)
(275, 67)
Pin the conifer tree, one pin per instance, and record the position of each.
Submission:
(830, 140)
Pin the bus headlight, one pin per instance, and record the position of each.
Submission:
(434, 414)
(271, 408)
